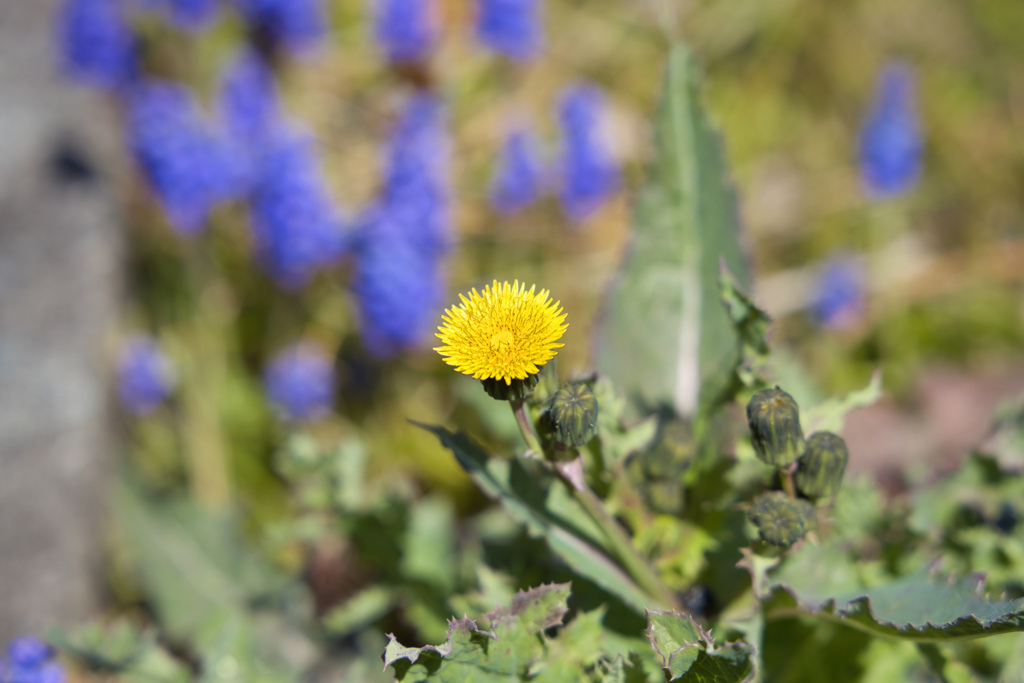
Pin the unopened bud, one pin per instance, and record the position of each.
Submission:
(574, 414)
(821, 468)
(774, 421)
(519, 389)
(781, 520)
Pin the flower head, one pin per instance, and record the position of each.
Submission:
(248, 104)
(519, 177)
(839, 298)
(589, 172)
(506, 333)
(30, 661)
(189, 166)
(890, 142)
(96, 44)
(511, 27)
(296, 25)
(300, 382)
(145, 376)
(295, 222)
(406, 29)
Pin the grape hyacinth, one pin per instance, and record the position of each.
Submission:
(96, 44)
(145, 376)
(589, 173)
(519, 177)
(191, 15)
(295, 223)
(30, 660)
(839, 293)
(890, 143)
(248, 103)
(295, 25)
(299, 382)
(416, 185)
(403, 239)
(510, 27)
(406, 29)
(189, 167)
(399, 288)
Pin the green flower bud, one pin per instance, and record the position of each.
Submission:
(781, 520)
(519, 389)
(774, 421)
(821, 468)
(573, 414)
(673, 450)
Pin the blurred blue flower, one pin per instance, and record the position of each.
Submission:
(299, 382)
(520, 175)
(839, 293)
(145, 376)
(189, 166)
(30, 661)
(399, 288)
(295, 223)
(96, 44)
(589, 173)
(416, 193)
(296, 25)
(191, 15)
(891, 146)
(248, 103)
(511, 27)
(406, 29)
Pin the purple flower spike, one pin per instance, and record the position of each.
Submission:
(145, 376)
(589, 173)
(416, 191)
(190, 168)
(30, 661)
(511, 27)
(399, 288)
(519, 177)
(891, 146)
(299, 382)
(96, 44)
(295, 222)
(839, 298)
(248, 103)
(406, 29)
(295, 25)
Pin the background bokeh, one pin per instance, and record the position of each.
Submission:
(932, 292)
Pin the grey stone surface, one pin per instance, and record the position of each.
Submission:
(60, 256)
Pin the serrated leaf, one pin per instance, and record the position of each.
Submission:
(917, 607)
(545, 505)
(505, 653)
(665, 338)
(751, 324)
(688, 652)
(829, 415)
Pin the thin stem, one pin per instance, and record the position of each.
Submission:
(526, 427)
(622, 546)
(787, 482)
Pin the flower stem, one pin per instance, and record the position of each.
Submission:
(623, 550)
(526, 427)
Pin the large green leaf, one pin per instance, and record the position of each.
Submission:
(918, 607)
(213, 592)
(665, 338)
(546, 506)
(688, 653)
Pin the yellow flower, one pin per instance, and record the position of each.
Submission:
(505, 333)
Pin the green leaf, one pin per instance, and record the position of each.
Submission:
(507, 652)
(828, 416)
(751, 324)
(665, 338)
(546, 506)
(211, 591)
(917, 607)
(359, 611)
(688, 652)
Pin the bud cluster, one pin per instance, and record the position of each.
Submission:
(815, 464)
